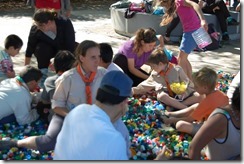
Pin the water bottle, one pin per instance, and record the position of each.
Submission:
(201, 37)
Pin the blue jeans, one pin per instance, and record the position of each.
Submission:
(8, 119)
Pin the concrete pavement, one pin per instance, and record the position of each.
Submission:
(94, 23)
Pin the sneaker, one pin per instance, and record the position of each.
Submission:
(7, 144)
(232, 22)
(166, 39)
(225, 37)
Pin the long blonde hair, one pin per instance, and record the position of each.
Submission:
(170, 12)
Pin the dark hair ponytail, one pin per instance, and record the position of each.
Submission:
(148, 35)
(44, 15)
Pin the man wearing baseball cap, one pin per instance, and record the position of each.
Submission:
(88, 132)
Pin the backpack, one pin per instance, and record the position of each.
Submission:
(215, 37)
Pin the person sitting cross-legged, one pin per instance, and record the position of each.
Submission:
(163, 76)
(190, 119)
(220, 133)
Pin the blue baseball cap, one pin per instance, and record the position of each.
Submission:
(118, 80)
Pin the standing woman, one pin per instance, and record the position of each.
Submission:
(47, 36)
(192, 19)
(135, 52)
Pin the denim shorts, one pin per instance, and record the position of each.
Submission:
(188, 44)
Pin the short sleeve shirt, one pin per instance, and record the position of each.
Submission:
(212, 101)
(6, 64)
(127, 50)
(188, 16)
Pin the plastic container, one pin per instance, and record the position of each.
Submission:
(201, 37)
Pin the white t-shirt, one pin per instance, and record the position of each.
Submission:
(235, 82)
(88, 134)
(70, 92)
(114, 67)
(16, 99)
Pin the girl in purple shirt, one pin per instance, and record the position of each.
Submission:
(134, 53)
(192, 19)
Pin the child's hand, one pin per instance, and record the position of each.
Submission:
(164, 154)
(200, 3)
(161, 41)
(10, 74)
(204, 24)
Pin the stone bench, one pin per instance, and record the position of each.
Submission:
(128, 27)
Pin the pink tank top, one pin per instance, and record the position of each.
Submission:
(188, 16)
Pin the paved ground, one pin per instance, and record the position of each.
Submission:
(93, 22)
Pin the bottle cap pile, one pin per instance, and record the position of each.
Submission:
(147, 134)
